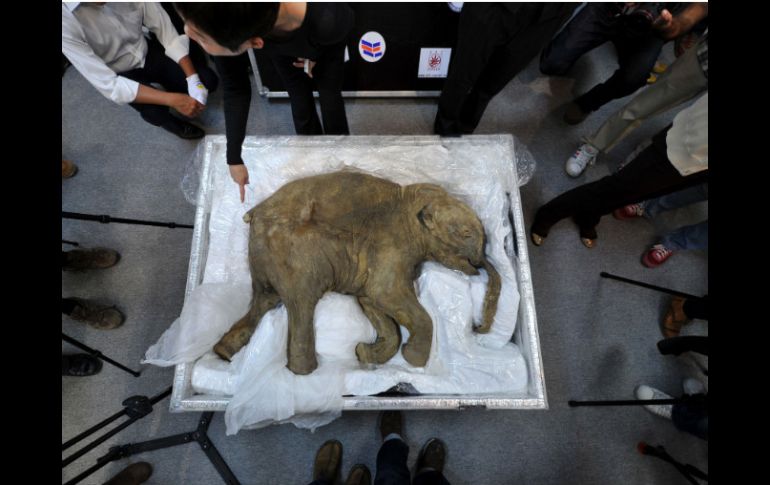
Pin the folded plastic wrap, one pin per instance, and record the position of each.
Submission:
(263, 390)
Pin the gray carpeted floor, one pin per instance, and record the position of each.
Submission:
(597, 336)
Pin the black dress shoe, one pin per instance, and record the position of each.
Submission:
(80, 365)
(183, 129)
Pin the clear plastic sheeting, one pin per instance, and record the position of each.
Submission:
(478, 172)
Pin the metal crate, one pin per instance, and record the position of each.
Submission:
(526, 337)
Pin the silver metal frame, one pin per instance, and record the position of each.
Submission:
(525, 336)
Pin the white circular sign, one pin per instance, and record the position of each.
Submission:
(371, 46)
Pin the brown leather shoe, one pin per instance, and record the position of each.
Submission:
(327, 461)
(675, 318)
(391, 422)
(95, 258)
(101, 317)
(68, 169)
(133, 474)
(432, 455)
(359, 475)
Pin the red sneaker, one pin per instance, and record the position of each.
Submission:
(656, 255)
(631, 211)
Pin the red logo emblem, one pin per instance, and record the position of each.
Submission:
(435, 61)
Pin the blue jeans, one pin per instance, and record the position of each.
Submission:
(695, 236)
(692, 416)
(392, 470)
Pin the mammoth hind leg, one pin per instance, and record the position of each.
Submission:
(301, 342)
(240, 333)
(388, 336)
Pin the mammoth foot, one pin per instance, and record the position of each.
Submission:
(416, 353)
(302, 365)
(225, 351)
(381, 351)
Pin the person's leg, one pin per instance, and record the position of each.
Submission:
(391, 463)
(692, 415)
(430, 464)
(678, 345)
(68, 305)
(480, 31)
(694, 236)
(197, 55)
(391, 459)
(680, 83)
(510, 59)
(696, 307)
(590, 28)
(156, 70)
(649, 174)
(329, 76)
(300, 89)
(675, 200)
(635, 58)
(159, 68)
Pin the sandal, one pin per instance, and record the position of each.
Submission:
(80, 365)
(675, 318)
(588, 237)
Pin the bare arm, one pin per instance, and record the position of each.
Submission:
(187, 66)
(671, 27)
(180, 102)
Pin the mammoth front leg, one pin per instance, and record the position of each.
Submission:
(301, 341)
(240, 333)
(407, 311)
(388, 336)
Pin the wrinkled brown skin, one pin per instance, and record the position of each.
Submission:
(363, 236)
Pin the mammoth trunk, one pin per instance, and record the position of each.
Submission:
(490, 300)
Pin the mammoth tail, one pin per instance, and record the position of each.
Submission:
(249, 215)
(490, 300)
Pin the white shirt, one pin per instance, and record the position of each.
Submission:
(101, 41)
(687, 142)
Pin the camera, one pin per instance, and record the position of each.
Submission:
(638, 18)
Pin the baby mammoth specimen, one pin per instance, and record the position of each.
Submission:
(359, 235)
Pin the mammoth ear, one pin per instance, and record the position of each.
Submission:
(426, 217)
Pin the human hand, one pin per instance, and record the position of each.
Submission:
(196, 89)
(665, 25)
(306, 64)
(241, 177)
(187, 105)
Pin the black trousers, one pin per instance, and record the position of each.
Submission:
(392, 470)
(593, 26)
(67, 305)
(328, 75)
(159, 68)
(647, 176)
(494, 44)
(697, 308)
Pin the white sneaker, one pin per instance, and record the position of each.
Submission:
(585, 155)
(644, 392)
(693, 386)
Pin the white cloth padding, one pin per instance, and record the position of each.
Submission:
(263, 390)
